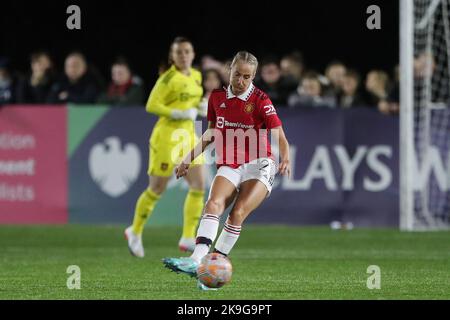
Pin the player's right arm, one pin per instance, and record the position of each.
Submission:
(206, 139)
(162, 92)
(156, 100)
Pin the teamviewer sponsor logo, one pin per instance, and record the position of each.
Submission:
(220, 122)
(238, 125)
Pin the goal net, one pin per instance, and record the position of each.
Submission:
(425, 114)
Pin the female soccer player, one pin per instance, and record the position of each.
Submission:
(246, 168)
(175, 99)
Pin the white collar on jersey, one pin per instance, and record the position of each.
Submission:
(244, 96)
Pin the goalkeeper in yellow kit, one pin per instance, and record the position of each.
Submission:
(175, 98)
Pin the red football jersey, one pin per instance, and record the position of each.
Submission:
(242, 125)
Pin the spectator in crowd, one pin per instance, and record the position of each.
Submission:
(292, 67)
(225, 72)
(77, 85)
(210, 63)
(7, 82)
(35, 87)
(273, 83)
(376, 85)
(334, 78)
(125, 89)
(309, 93)
(391, 104)
(351, 96)
(211, 80)
(424, 71)
(431, 73)
(424, 65)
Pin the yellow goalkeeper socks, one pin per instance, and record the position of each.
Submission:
(144, 208)
(193, 207)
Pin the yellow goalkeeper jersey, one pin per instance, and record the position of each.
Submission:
(175, 90)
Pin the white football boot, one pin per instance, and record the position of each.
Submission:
(134, 243)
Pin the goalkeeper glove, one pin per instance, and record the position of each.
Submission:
(203, 107)
(189, 114)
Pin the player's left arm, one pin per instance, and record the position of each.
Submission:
(273, 123)
(285, 164)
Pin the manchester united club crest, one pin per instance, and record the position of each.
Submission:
(249, 107)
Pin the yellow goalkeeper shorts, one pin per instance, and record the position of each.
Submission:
(166, 154)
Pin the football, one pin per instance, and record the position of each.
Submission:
(215, 270)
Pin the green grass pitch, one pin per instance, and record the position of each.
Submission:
(270, 262)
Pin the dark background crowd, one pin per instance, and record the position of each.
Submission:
(316, 54)
(286, 79)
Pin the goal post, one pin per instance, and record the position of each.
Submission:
(406, 114)
(424, 114)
